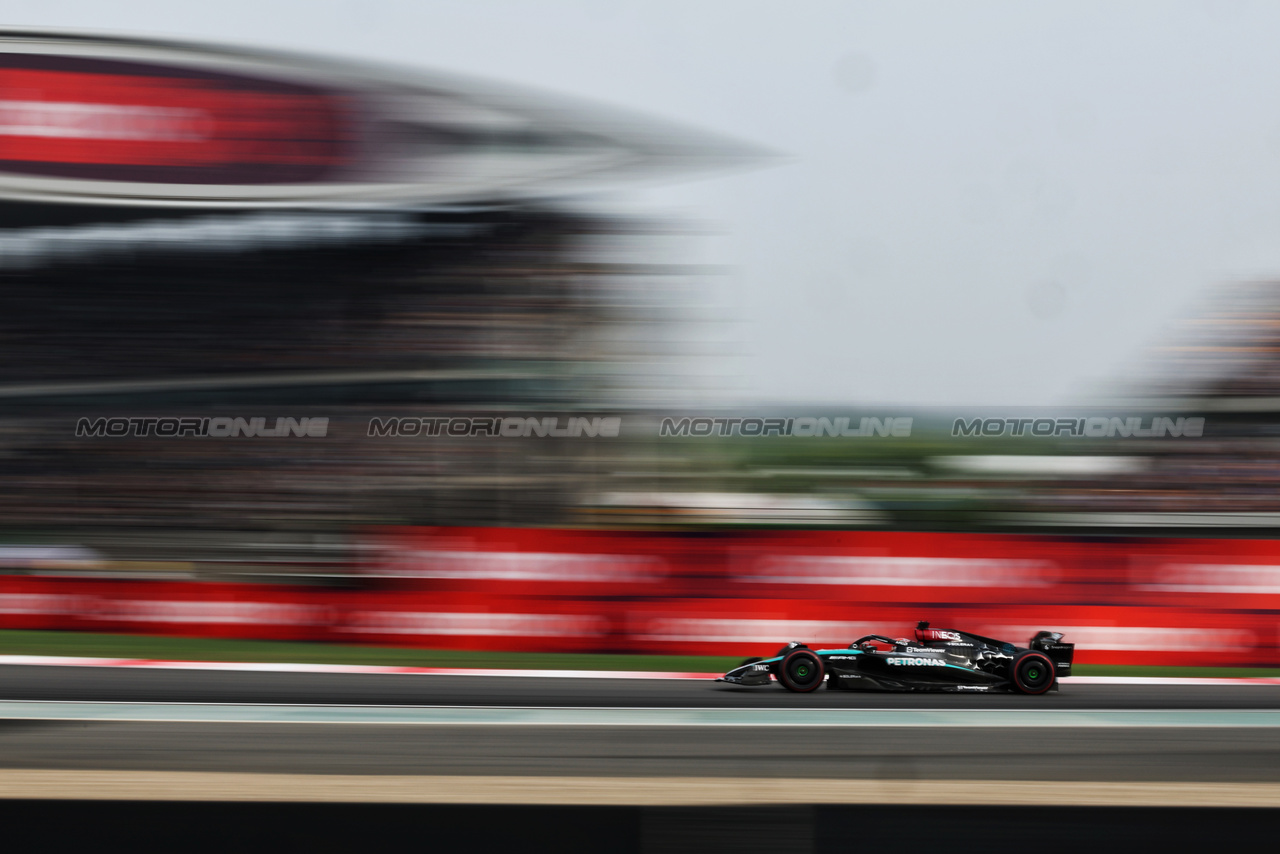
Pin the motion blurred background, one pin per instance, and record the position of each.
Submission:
(1010, 217)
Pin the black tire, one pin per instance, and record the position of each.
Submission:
(801, 671)
(1032, 673)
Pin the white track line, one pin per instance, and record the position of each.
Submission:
(577, 716)
(376, 669)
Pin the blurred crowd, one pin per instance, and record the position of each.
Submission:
(1228, 346)
(477, 310)
(419, 291)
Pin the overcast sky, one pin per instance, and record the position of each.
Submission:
(980, 203)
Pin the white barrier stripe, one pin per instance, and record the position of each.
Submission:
(1172, 680)
(375, 669)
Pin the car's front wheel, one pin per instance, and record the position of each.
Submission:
(801, 671)
(1032, 673)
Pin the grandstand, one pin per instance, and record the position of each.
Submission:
(444, 267)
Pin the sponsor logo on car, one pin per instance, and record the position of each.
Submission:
(916, 662)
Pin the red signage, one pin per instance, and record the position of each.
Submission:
(103, 120)
(1172, 602)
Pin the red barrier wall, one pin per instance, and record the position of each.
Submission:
(1143, 601)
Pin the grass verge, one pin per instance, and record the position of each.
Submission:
(92, 645)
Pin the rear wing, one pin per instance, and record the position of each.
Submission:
(1050, 643)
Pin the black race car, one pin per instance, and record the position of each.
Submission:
(938, 660)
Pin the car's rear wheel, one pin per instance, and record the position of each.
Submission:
(801, 671)
(1032, 673)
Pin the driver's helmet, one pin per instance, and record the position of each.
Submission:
(901, 643)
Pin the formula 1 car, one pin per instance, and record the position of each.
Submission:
(939, 660)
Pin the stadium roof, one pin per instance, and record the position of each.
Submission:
(127, 121)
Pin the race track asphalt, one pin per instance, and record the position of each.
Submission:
(1236, 754)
